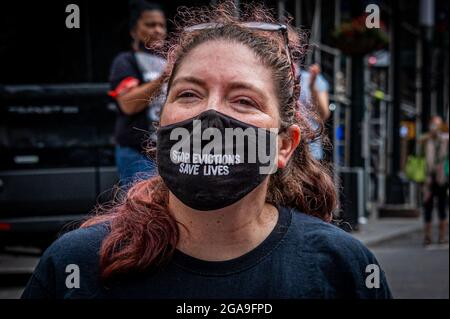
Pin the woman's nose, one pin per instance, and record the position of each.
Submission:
(213, 102)
(211, 106)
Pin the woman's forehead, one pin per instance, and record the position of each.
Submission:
(154, 15)
(225, 61)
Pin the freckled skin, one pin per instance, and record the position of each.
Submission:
(216, 95)
(223, 65)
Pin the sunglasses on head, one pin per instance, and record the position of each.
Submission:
(263, 26)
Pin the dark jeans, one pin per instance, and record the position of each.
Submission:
(439, 192)
(133, 166)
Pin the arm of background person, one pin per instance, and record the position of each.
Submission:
(131, 96)
(319, 98)
(321, 101)
(138, 98)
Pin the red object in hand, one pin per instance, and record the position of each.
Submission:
(124, 87)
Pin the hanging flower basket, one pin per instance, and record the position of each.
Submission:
(354, 38)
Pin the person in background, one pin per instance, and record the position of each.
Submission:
(435, 144)
(314, 98)
(134, 77)
(314, 95)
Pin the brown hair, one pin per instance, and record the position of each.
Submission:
(143, 233)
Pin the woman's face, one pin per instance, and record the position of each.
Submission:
(227, 77)
(435, 125)
(150, 28)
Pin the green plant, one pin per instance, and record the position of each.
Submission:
(354, 38)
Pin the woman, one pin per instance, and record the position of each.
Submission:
(135, 76)
(239, 232)
(435, 144)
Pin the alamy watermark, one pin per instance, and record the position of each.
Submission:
(373, 279)
(373, 16)
(73, 19)
(73, 277)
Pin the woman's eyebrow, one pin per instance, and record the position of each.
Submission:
(189, 79)
(247, 86)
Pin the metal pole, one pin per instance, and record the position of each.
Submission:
(427, 23)
(315, 35)
(318, 31)
(382, 163)
(445, 86)
(281, 10)
(348, 110)
(366, 139)
(237, 5)
(396, 71)
(357, 112)
(88, 44)
(337, 110)
(337, 13)
(357, 98)
(394, 184)
(419, 85)
(298, 13)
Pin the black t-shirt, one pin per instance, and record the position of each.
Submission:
(303, 257)
(129, 129)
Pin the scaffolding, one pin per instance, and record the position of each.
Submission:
(380, 121)
(339, 103)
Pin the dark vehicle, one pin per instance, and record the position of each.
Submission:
(56, 135)
(56, 158)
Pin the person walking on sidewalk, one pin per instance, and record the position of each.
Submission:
(435, 144)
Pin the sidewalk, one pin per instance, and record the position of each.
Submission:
(378, 230)
(16, 264)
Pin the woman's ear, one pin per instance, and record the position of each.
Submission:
(287, 143)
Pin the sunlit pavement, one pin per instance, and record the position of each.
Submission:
(14, 273)
(415, 271)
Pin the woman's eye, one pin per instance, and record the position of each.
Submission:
(246, 102)
(187, 95)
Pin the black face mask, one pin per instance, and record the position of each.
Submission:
(209, 165)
